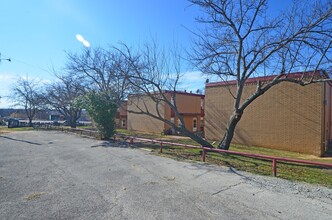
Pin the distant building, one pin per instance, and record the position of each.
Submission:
(190, 106)
(19, 113)
(287, 117)
(54, 115)
(5, 112)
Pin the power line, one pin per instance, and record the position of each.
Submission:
(8, 59)
(28, 64)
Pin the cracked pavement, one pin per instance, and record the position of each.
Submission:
(53, 175)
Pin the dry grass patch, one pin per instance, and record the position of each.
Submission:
(34, 196)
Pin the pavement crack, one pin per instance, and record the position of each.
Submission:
(226, 188)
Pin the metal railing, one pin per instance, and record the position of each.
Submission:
(205, 150)
(79, 131)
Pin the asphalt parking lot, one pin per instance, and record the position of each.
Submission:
(53, 175)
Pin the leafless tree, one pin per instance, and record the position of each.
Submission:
(26, 93)
(243, 40)
(103, 70)
(155, 75)
(62, 96)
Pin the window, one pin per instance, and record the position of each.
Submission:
(195, 124)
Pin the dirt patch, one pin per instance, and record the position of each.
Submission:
(34, 196)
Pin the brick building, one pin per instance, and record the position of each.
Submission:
(287, 117)
(189, 105)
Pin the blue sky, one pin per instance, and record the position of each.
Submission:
(36, 33)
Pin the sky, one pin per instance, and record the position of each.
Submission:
(35, 34)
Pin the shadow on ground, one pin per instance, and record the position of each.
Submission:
(24, 141)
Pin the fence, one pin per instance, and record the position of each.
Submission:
(90, 133)
(205, 150)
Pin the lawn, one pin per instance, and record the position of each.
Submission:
(5, 129)
(294, 172)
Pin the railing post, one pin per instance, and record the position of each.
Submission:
(161, 147)
(274, 167)
(203, 155)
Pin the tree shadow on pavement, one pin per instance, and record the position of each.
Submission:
(24, 141)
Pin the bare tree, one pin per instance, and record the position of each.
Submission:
(26, 93)
(242, 40)
(62, 95)
(103, 70)
(155, 75)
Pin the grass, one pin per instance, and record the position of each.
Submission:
(290, 171)
(5, 129)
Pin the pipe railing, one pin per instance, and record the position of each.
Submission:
(80, 131)
(205, 150)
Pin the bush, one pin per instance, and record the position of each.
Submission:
(102, 109)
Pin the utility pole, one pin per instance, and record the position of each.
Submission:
(8, 59)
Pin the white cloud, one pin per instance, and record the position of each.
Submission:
(7, 77)
(194, 75)
(7, 80)
(191, 81)
(6, 103)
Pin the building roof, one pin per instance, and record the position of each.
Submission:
(318, 73)
(176, 92)
(186, 93)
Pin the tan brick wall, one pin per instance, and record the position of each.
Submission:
(287, 117)
(188, 103)
(140, 122)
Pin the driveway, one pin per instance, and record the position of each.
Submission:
(53, 175)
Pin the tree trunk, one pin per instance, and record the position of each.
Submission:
(229, 133)
(196, 138)
(72, 122)
(30, 122)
